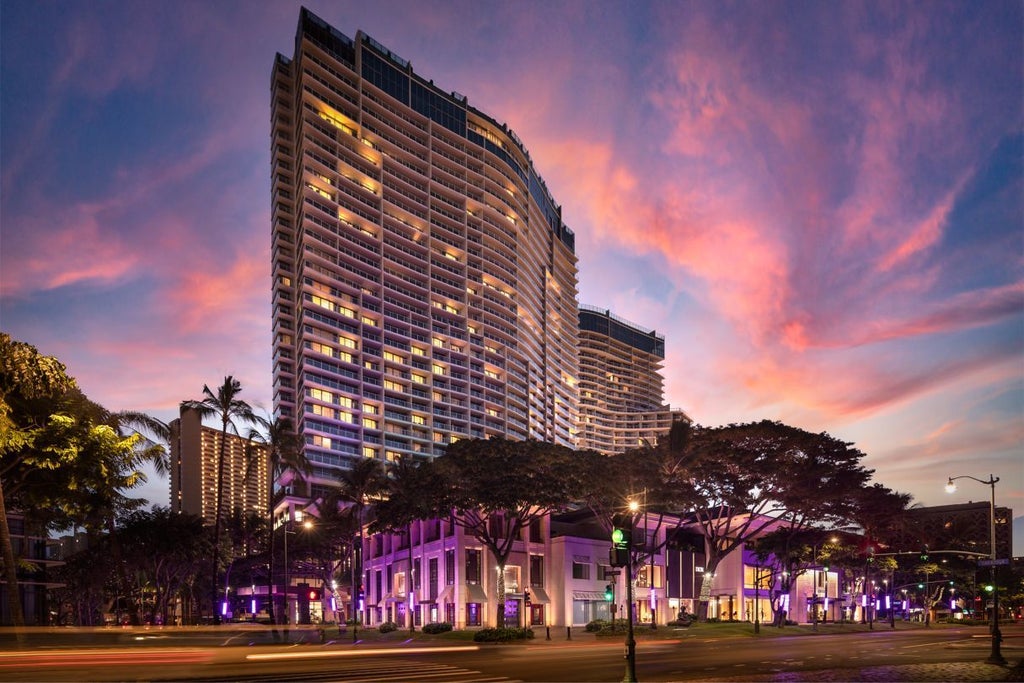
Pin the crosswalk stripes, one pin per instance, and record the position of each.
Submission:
(377, 672)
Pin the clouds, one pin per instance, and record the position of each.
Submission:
(818, 205)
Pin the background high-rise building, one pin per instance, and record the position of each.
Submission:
(195, 450)
(621, 387)
(424, 285)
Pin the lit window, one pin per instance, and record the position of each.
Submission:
(492, 412)
(438, 369)
(417, 351)
(321, 302)
(419, 420)
(369, 321)
(394, 358)
(346, 342)
(321, 395)
(439, 342)
(371, 409)
(347, 312)
(370, 423)
(368, 452)
(419, 379)
(491, 374)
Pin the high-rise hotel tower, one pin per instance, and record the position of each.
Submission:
(424, 285)
(620, 384)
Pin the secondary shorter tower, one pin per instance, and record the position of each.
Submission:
(195, 449)
(620, 386)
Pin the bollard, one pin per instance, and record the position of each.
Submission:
(568, 632)
(548, 629)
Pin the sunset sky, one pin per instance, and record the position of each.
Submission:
(818, 204)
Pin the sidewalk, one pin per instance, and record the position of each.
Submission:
(949, 671)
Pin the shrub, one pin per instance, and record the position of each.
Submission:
(387, 627)
(596, 625)
(502, 635)
(437, 627)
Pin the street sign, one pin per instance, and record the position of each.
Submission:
(1002, 561)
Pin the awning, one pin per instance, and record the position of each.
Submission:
(445, 596)
(538, 596)
(588, 595)
(475, 593)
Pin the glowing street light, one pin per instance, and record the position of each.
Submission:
(996, 656)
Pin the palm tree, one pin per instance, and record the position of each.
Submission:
(146, 425)
(225, 405)
(359, 485)
(284, 454)
(408, 490)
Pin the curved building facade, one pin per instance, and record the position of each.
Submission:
(620, 384)
(424, 285)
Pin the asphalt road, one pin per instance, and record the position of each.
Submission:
(686, 656)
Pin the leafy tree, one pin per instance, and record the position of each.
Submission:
(360, 485)
(407, 500)
(498, 487)
(228, 408)
(29, 384)
(743, 480)
(788, 553)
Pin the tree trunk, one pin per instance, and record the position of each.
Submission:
(270, 570)
(216, 523)
(10, 570)
(705, 595)
(500, 598)
(411, 604)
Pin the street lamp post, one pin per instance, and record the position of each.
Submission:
(996, 656)
(630, 676)
(287, 569)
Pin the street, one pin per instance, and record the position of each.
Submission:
(688, 655)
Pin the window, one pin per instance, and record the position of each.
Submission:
(537, 570)
(580, 570)
(419, 379)
(473, 567)
(321, 395)
(394, 358)
(512, 583)
(346, 342)
(432, 580)
(370, 423)
(419, 420)
(438, 369)
(369, 452)
(449, 567)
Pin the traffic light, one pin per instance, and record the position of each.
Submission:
(924, 553)
(314, 595)
(526, 596)
(989, 588)
(609, 593)
(619, 555)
